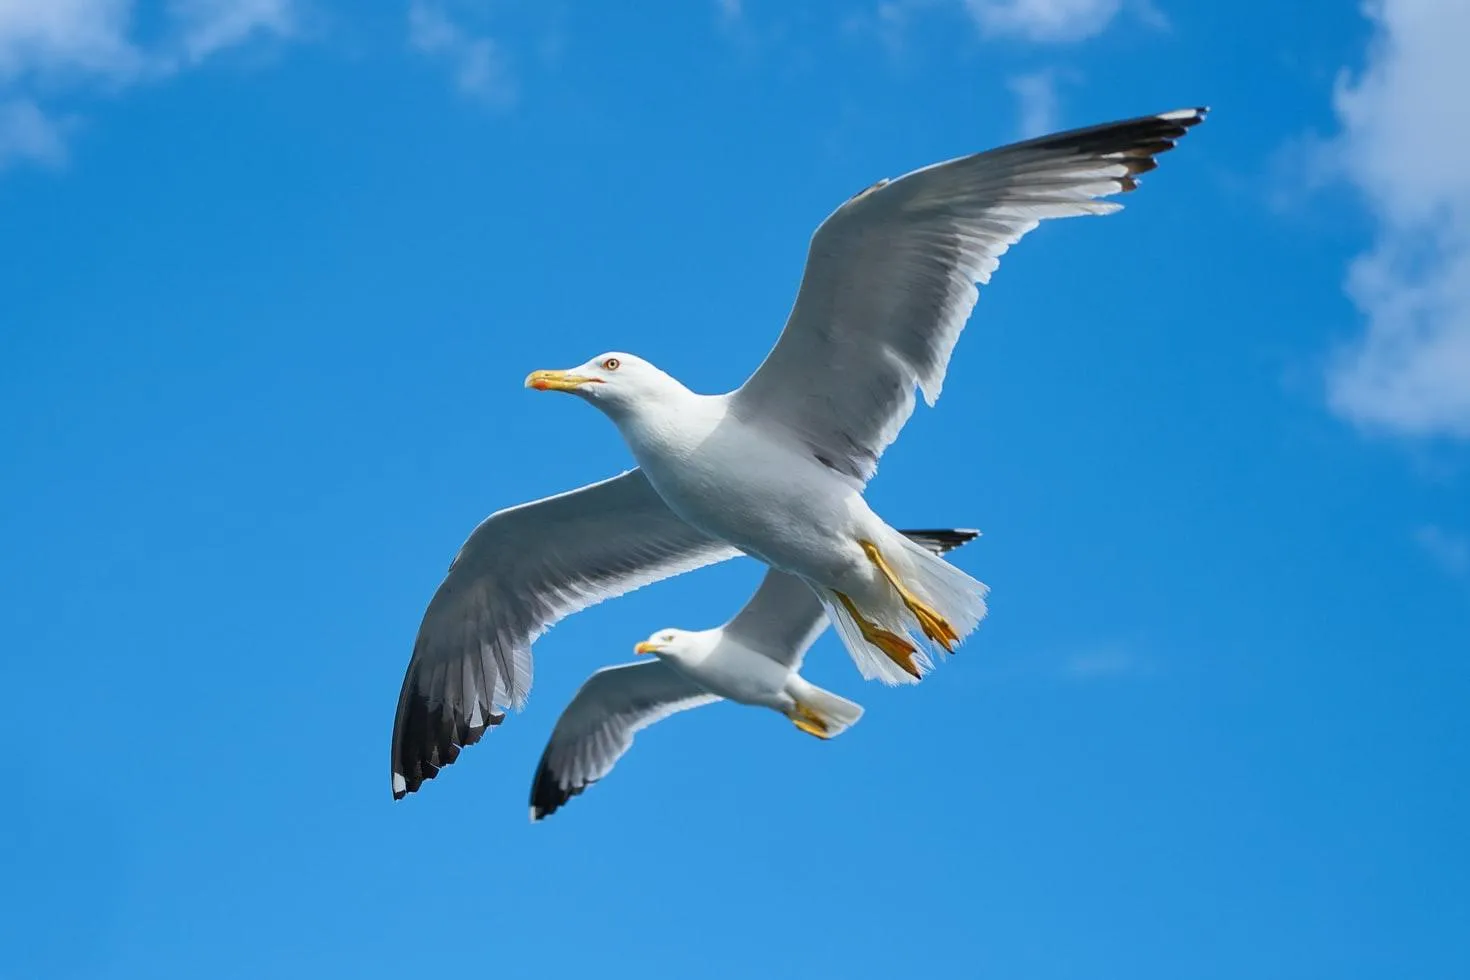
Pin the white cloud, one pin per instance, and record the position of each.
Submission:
(54, 50)
(1044, 21)
(57, 39)
(27, 134)
(1449, 550)
(1405, 144)
(1036, 21)
(480, 67)
(207, 26)
(1036, 101)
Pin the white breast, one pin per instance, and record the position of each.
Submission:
(763, 495)
(734, 672)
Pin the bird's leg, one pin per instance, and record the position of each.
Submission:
(895, 647)
(808, 721)
(935, 626)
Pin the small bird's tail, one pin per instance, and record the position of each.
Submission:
(819, 712)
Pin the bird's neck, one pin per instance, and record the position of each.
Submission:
(667, 421)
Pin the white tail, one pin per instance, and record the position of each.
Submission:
(837, 714)
(955, 595)
(950, 592)
(871, 662)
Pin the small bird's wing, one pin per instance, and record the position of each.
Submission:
(784, 617)
(891, 279)
(521, 570)
(598, 727)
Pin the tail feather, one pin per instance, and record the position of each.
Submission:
(871, 662)
(942, 541)
(836, 714)
(956, 596)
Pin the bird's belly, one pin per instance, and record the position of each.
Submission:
(740, 675)
(768, 501)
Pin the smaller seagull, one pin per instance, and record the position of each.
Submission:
(753, 659)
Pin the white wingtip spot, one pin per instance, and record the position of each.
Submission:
(400, 785)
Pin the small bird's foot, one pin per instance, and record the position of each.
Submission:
(809, 721)
(894, 647)
(935, 626)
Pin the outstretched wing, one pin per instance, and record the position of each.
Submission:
(891, 279)
(521, 570)
(598, 727)
(784, 617)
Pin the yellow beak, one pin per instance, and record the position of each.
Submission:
(646, 647)
(558, 381)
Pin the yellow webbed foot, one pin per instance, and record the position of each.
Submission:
(809, 721)
(894, 647)
(935, 626)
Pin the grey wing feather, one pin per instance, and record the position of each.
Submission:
(891, 278)
(521, 570)
(782, 619)
(597, 728)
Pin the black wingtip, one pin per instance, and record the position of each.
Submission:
(1134, 142)
(548, 795)
(1187, 117)
(428, 742)
(942, 540)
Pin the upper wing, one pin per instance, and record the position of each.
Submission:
(521, 570)
(890, 280)
(598, 726)
(784, 617)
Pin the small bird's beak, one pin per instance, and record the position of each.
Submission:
(646, 647)
(558, 381)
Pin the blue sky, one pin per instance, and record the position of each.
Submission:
(271, 273)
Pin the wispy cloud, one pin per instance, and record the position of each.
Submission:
(1045, 24)
(55, 51)
(480, 67)
(27, 134)
(208, 26)
(62, 41)
(730, 11)
(1036, 101)
(1449, 550)
(1103, 662)
(1044, 21)
(1405, 144)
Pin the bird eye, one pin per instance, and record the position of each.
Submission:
(611, 364)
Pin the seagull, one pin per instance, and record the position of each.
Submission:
(754, 659)
(776, 468)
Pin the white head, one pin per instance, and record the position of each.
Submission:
(615, 382)
(679, 645)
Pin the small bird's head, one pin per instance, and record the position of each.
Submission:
(613, 381)
(672, 644)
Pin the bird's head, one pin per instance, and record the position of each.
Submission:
(672, 644)
(613, 381)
